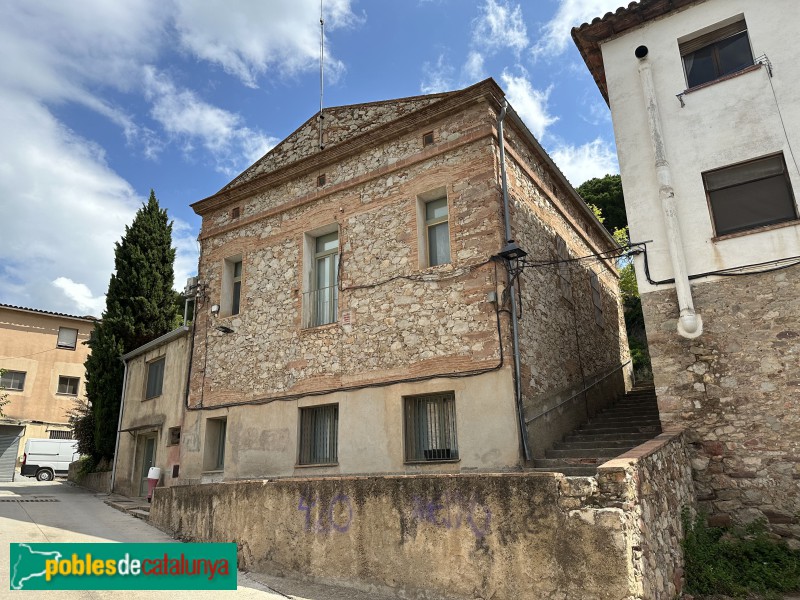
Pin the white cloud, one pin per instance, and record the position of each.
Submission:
(81, 295)
(188, 118)
(500, 26)
(530, 103)
(256, 36)
(437, 77)
(473, 69)
(555, 35)
(581, 163)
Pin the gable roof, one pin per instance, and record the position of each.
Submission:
(339, 124)
(589, 36)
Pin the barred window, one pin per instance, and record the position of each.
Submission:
(60, 434)
(430, 427)
(319, 426)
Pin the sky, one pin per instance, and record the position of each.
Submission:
(104, 101)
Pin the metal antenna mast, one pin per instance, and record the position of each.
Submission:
(321, 63)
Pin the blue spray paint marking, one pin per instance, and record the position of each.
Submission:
(452, 512)
(323, 519)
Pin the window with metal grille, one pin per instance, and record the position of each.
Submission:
(723, 51)
(67, 338)
(750, 195)
(60, 434)
(12, 380)
(564, 270)
(430, 427)
(319, 426)
(155, 378)
(597, 299)
(68, 385)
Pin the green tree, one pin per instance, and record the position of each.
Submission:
(140, 306)
(3, 397)
(605, 193)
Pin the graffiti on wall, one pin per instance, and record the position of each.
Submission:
(334, 515)
(452, 511)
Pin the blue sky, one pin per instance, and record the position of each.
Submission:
(103, 101)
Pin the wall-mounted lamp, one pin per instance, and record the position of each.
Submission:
(223, 329)
(215, 309)
(512, 251)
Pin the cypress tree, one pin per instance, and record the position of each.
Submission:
(140, 306)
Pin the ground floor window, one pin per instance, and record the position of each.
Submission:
(430, 427)
(319, 442)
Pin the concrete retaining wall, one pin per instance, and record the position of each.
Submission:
(98, 482)
(503, 536)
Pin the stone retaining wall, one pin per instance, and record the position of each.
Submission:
(98, 482)
(503, 536)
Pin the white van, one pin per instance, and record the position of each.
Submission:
(44, 459)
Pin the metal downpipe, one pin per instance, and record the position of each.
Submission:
(523, 430)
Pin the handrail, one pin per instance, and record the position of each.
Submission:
(583, 391)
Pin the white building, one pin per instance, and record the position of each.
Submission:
(705, 103)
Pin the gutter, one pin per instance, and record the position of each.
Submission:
(523, 430)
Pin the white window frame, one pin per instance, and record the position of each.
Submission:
(68, 378)
(67, 338)
(320, 305)
(228, 301)
(423, 226)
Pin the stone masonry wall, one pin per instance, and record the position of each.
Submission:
(404, 320)
(340, 124)
(563, 345)
(736, 389)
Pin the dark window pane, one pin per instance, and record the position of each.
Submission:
(237, 290)
(155, 378)
(752, 204)
(700, 66)
(734, 54)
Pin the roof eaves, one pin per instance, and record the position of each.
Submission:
(39, 311)
(159, 341)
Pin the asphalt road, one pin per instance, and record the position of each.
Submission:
(37, 511)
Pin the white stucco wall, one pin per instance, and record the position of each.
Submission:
(725, 123)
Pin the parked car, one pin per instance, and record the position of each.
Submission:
(44, 459)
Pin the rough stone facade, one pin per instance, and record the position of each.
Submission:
(535, 535)
(401, 326)
(736, 390)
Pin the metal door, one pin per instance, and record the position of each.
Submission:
(9, 449)
(148, 460)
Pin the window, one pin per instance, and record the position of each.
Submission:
(67, 338)
(322, 299)
(437, 232)
(13, 380)
(716, 54)
(155, 378)
(427, 138)
(60, 434)
(564, 270)
(235, 212)
(68, 385)
(750, 195)
(214, 457)
(231, 286)
(319, 444)
(321, 180)
(173, 436)
(597, 299)
(430, 428)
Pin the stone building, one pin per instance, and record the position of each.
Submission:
(354, 315)
(42, 355)
(151, 412)
(706, 108)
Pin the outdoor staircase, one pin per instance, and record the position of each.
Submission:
(630, 421)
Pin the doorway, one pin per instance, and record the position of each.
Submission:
(147, 449)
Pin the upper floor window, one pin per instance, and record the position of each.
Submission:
(155, 378)
(12, 380)
(68, 385)
(750, 195)
(231, 286)
(214, 452)
(597, 298)
(67, 338)
(321, 301)
(717, 53)
(564, 270)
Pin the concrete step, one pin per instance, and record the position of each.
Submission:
(653, 430)
(582, 453)
(636, 412)
(624, 420)
(634, 438)
(556, 463)
(588, 444)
